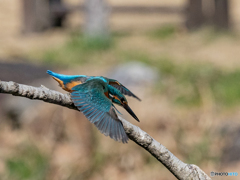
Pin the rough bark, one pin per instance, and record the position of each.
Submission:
(179, 169)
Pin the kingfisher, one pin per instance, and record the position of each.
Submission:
(94, 97)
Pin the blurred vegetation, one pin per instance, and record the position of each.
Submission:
(200, 152)
(197, 152)
(183, 83)
(210, 35)
(164, 32)
(77, 50)
(193, 80)
(29, 164)
(186, 83)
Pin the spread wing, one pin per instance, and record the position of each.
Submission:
(90, 99)
(122, 88)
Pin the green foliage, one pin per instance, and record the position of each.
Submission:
(121, 34)
(190, 79)
(135, 56)
(78, 50)
(164, 32)
(186, 83)
(200, 152)
(30, 164)
(211, 35)
(197, 152)
(227, 88)
(92, 44)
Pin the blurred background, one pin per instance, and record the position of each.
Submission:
(181, 57)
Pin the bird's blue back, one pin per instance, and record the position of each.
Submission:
(90, 95)
(65, 78)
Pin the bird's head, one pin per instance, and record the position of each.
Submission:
(122, 101)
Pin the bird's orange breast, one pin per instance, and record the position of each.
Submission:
(67, 87)
(70, 85)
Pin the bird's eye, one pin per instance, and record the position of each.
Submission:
(123, 101)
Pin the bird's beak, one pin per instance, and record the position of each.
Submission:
(129, 110)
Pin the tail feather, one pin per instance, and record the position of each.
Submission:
(50, 72)
(56, 75)
(112, 128)
(63, 77)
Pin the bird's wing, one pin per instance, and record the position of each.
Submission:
(122, 88)
(89, 98)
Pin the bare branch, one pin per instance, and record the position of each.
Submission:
(180, 170)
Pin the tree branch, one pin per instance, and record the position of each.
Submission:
(180, 170)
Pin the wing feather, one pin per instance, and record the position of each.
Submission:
(123, 89)
(98, 109)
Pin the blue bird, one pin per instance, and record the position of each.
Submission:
(116, 89)
(94, 97)
(69, 81)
